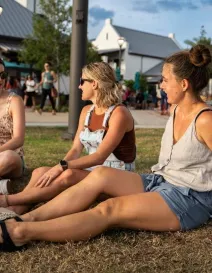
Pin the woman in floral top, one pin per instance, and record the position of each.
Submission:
(12, 130)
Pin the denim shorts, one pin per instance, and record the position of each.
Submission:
(192, 208)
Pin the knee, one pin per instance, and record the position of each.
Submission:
(39, 171)
(108, 208)
(9, 158)
(99, 172)
(67, 178)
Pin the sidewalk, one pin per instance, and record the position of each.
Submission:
(142, 118)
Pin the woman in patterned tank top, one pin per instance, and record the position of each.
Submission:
(12, 130)
(176, 196)
(106, 131)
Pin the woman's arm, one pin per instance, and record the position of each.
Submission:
(54, 75)
(74, 153)
(18, 116)
(42, 80)
(204, 128)
(120, 122)
(77, 146)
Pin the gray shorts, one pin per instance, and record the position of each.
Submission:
(192, 208)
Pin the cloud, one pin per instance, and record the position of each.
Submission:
(206, 2)
(98, 14)
(155, 6)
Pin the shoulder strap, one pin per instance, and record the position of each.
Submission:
(9, 98)
(201, 111)
(107, 116)
(88, 116)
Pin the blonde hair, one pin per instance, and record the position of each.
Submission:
(108, 92)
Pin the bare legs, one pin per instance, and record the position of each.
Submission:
(136, 211)
(33, 101)
(10, 164)
(33, 194)
(79, 197)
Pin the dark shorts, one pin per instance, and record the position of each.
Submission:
(31, 94)
(23, 164)
(192, 208)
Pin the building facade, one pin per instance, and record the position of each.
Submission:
(32, 5)
(140, 51)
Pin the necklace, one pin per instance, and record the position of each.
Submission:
(186, 116)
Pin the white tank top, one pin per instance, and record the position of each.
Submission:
(188, 163)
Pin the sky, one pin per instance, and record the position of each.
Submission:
(184, 18)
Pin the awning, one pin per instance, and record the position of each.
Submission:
(7, 46)
(16, 65)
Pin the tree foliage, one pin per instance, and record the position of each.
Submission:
(92, 54)
(51, 37)
(203, 40)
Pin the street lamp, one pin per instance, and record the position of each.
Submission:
(121, 41)
(1, 10)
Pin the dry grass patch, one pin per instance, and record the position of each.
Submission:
(117, 250)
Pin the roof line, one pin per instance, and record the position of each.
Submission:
(142, 31)
(146, 55)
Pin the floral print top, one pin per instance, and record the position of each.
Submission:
(6, 125)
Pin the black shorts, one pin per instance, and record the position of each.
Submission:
(31, 94)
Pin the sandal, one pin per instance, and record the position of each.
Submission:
(8, 245)
(6, 214)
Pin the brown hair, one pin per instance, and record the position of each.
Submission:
(192, 65)
(108, 91)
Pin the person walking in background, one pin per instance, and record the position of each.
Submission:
(164, 101)
(145, 94)
(48, 78)
(30, 91)
(12, 85)
(139, 100)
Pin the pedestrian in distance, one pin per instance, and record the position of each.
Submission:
(48, 78)
(30, 91)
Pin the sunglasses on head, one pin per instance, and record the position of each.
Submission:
(84, 80)
(3, 75)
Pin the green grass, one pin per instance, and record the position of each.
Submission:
(118, 250)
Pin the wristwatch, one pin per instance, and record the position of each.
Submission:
(63, 164)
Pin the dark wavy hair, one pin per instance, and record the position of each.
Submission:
(192, 65)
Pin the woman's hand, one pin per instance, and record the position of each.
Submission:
(49, 176)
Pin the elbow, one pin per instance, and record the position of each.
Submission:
(100, 160)
(20, 142)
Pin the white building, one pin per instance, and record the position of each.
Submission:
(32, 5)
(141, 51)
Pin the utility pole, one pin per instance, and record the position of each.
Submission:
(77, 61)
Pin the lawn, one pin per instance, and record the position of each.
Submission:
(118, 250)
